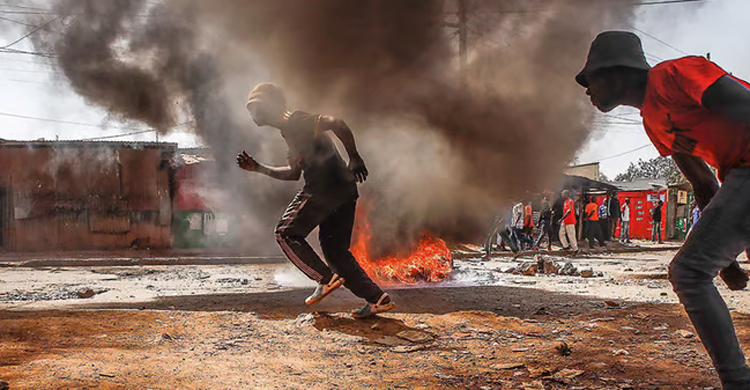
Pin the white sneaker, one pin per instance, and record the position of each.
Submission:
(323, 290)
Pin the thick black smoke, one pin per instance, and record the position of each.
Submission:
(445, 151)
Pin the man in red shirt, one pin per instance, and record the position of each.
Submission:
(697, 113)
(568, 224)
(593, 227)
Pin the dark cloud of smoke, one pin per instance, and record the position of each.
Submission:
(444, 154)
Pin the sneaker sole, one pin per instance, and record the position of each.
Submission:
(382, 309)
(338, 283)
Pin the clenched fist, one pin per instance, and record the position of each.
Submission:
(247, 162)
(357, 167)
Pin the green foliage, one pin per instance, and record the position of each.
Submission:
(661, 168)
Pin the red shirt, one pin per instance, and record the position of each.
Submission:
(593, 210)
(568, 207)
(677, 122)
(528, 217)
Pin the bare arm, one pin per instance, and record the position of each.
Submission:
(248, 163)
(699, 175)
(344, 133)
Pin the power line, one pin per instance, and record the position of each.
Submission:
(30, 33)
(624, 153)
(116, 135)
(659, 40)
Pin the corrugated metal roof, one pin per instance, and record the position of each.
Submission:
(641, 185)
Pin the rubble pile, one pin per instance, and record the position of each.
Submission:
(548, 265)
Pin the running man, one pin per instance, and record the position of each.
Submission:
(697, 113)
(328, 199)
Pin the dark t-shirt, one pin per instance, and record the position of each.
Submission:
(656, 214)
(324, 171)
(614, 208)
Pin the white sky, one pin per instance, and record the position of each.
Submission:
(28, 87)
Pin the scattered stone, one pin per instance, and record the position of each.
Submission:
(663, 294)
(390, 341)
(86, 293)
(563, 349)
(685, 334)
(587, 273)
(517, 350)
(611, 304)
(566, 376)
(304, 319)
(414, 336)
(568, 269)
(509, 366)
(539, 372)
(408, 348)
(621, 352)
(363, 349)
(376, 326)
(107, 375)
(662, 328)
(529, 269)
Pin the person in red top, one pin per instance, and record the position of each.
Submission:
(699, 114)
(593, 227)
(568, 226)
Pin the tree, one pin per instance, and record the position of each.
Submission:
(659, 168)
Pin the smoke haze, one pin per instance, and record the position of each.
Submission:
(444, 155)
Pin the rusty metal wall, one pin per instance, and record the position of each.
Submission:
(85, 197)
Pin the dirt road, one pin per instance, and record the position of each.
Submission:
(245, 327)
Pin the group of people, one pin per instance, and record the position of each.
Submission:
(600, 219)
(692, 110)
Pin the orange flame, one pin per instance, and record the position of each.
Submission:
(430, 262)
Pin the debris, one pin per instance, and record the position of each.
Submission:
(304, 319)
(390, 341)
(566, 376)
(364, 349)
(86, 293)
(563, 349)
(414, 336)
(166, 336)
(621, 352)
(528, 269)
(104, 375)
(539, 372)
(662, 328)
(587, 272)
(509, 366)
(519, 349)
(685, 334)
(408, 348)
(376, 326)
(603, 319)
(611, 304)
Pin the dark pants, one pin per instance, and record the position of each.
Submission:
(335, 222)
(613, 228)
(594, 232)
(545, 229)
(721, 234)
(525, 240)
(604, 228)
(656, 231)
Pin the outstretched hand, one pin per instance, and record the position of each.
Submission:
(358, 169)
(247, 162)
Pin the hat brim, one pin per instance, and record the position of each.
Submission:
(587, 70)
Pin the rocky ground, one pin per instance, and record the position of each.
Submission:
(245, 327)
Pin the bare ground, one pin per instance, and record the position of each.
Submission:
(199, 332)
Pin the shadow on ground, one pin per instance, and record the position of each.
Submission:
(505, 301)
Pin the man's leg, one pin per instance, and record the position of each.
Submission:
(571, 230)
(563, 236)
(335, 238)
(299, 219)
(722, 233)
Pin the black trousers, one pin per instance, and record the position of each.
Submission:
(335, 221)
(594, 232)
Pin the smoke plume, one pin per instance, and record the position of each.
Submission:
(446, 148)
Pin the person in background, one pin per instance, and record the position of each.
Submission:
(528, 220)
(593, 227)
(568, 224)
(625, 225)
(545, 224)
(656, 223)
(604, 218)
(614, 214)
(695, 215)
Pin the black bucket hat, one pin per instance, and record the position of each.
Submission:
(613, 48)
